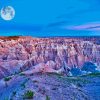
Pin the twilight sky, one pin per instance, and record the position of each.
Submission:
(52, 18)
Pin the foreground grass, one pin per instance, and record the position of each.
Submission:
(47, 97)
(78, 81)
(92, 75)
(7, 78)
(28, 95)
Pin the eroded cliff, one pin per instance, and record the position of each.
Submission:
(59, 54)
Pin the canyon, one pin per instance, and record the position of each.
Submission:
(58, 54)
(54, 68)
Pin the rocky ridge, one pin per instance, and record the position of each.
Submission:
(49, 68)
(18, 54)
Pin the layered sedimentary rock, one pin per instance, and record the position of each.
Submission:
(19, 54)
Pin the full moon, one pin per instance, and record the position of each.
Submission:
(7, 13)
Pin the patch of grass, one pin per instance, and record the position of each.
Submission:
(35, 81)
(28, 94)
(14, 93)
(78, 81)
(92, 74)
(23, 85)
(47, 97)
(57, 74)
(6, 99)
(22, 74)
(79, 84)
(7, 78)
(81, 80)
(54, 88)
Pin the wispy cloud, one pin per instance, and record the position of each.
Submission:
(90, 26)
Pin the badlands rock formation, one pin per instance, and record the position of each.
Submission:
(18, 54)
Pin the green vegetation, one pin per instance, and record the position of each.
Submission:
(23, 85)
(47, 97)
(28, 94)
(57, 74)
(14, 93)
(7, 78)
(21, 74)
(79, 81)
(6, 99)
(76, 79)
(35, 81)
(92, 74)
(54, 88)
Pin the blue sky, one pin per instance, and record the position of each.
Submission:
(52, 18)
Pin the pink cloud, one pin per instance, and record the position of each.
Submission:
(92, 26)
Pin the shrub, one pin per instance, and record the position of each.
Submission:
(47, 97)
(21, 74)
(23, 85)
(14, 93)
(7, 78)
(28, 94)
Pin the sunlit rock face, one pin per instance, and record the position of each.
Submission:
(19, 54)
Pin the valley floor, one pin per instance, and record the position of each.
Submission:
(50, 86)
